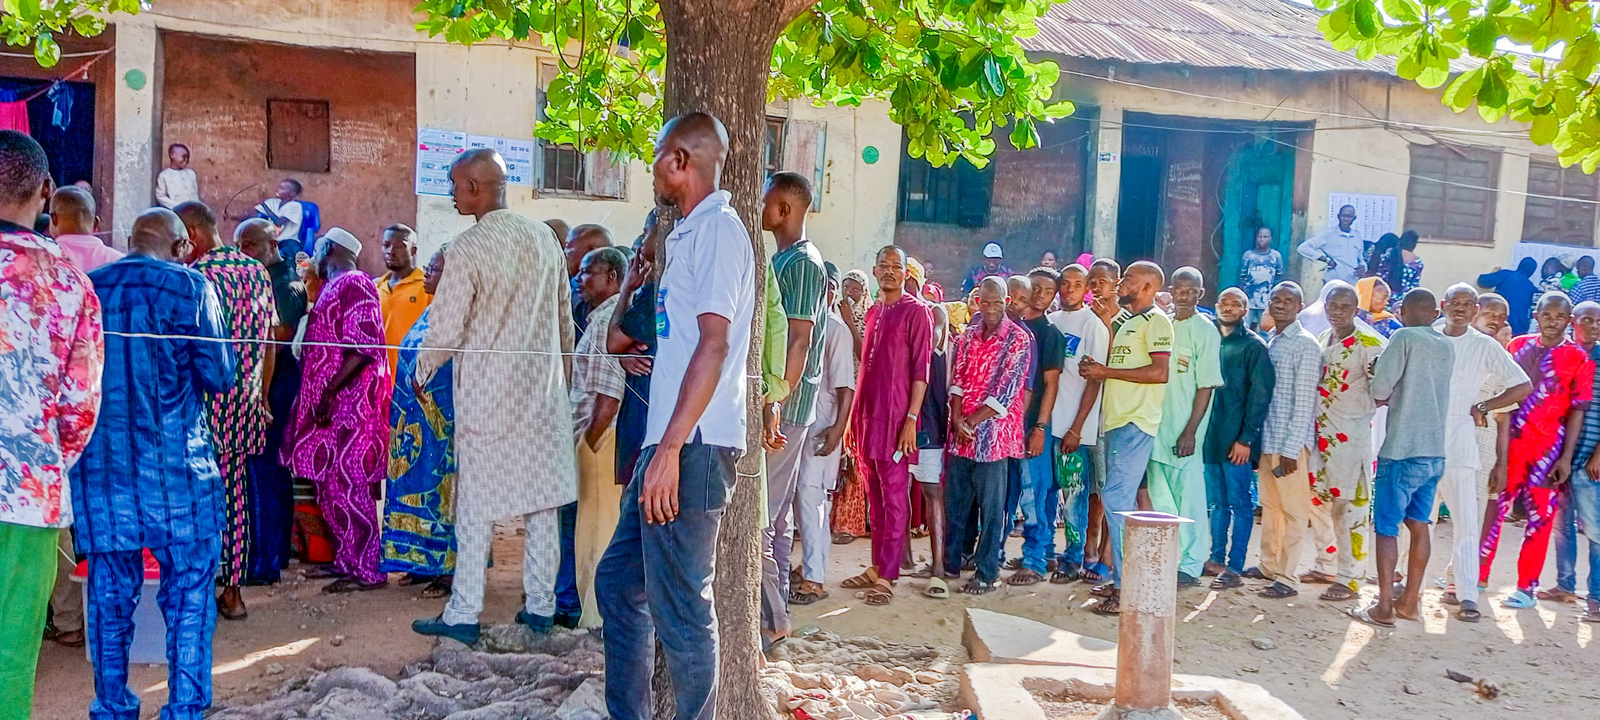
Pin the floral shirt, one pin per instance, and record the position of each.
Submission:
(51, 356)
(1342, 466)
(992, 371)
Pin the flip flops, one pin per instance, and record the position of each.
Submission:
(1469, 613)
(1095, 573)
(1337, 593)
(937, 589)
(1024, 577)
(1519, 600)
(1364, 615)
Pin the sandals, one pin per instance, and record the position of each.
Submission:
(1337, 593)
(1254, 573)
(1278, 591)
(1103, 590)
(1469, 613)
(862, 581)
(1364, 615)
(1095, 573)
(1228, 580)
(924, 572)
(1556, 594)
(807, 592)
(1065, 574)
(979, 587)
(1317, 578)
(439, 588)
(937, 589)
(1025, 577)
(1110, 606)
(841, 538)
(350, 585)
(880, 593)
(1519, 600)
(1592, 614)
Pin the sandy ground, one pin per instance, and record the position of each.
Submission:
(1320, 662)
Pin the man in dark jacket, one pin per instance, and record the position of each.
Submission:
(148, 478)
(1233, 442)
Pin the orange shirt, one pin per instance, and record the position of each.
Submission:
(402, 304)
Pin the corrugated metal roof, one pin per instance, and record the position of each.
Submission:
(1255, 34)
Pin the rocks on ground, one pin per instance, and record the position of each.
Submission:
(825, 677)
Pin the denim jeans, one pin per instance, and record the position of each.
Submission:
(1231, 502)
(655, 579)
(1564, 536)
(1582, 496)
(567, 601)
(1127, 455)
(975, 494)
(1075, 503)
(1039, 529)
(1019, 495)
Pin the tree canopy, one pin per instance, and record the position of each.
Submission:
(1531, 60)
(38, 21)
(952, 71)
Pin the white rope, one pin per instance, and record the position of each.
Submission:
(356, 346)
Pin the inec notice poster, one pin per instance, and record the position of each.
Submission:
(436, 150)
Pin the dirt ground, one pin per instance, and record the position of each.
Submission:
(1318, 661)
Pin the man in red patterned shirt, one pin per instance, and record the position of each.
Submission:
(988, 397)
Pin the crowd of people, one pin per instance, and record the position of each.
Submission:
(217, 406)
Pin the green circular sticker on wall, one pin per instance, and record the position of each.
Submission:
(870, 154)
(135, 79)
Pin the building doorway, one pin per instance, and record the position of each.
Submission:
(60, 115)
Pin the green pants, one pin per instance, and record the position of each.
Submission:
(1182, 492)
(28, 566)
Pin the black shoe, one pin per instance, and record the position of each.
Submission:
(568, 620)
(1185, 580)
(437, 627)
(537, 623)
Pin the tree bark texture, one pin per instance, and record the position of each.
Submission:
(719, 54)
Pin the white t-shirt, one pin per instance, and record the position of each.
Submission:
(292, 214)
(1479, 359)
(838, 368)
(1086, 336)
(710, 269)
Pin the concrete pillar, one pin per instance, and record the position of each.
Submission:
(1149, 616)
(138, 62)
(1107, 183)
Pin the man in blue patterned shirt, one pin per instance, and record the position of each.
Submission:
(1286, 441)
(1580, 504)
(148, 478)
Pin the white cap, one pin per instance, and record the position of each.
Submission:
(343, 238)
(992, 250)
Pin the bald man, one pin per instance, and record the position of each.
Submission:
(1480, 364)
(72, 224)
(1546, 424)
(576, 245)
(1413, 377)
(238, 417)
(696, 431)
(505, 288)
(1135, 384)
(1287, 438)
(1177, 472)
(148, 478)
(272, 497)
(1233, 442)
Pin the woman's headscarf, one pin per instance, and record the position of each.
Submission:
(1366, 288)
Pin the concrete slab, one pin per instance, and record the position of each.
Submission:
(1005, 692)
(992, 637)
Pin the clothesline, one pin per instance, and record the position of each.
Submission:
(356, 346)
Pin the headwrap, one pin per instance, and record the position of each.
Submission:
(1367, 287)
(914, 270)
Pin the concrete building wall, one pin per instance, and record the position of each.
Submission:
(214, 99)
(485, 89)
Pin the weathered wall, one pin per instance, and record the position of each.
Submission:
(101, 72)
(214, 99)
(491, 89)
(1037, 205)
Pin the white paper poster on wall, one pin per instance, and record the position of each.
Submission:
(517, 153)
(1375, 214)
(436, 150)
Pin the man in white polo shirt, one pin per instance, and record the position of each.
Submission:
(655, 578)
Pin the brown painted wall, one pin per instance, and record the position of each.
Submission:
(1038, 204)
(214, 99)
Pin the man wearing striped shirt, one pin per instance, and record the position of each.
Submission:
(802, 283)
(1286, 444)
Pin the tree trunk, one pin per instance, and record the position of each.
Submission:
(719, 54)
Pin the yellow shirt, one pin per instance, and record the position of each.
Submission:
(402, 304)
(1135, 337)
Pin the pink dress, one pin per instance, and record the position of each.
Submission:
(348, 457)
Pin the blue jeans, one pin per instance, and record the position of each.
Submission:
(975, 495)
(189, 605)
(656, 580)
(567, 600)
(1231, 502)
(1075, 504)
(1404, 490)
(1581, 499)
(1039, 529)
(1564, 535)
(1127, 455)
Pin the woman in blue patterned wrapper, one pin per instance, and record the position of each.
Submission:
(418, 531)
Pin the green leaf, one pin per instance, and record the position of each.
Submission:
(1366, 17)
(1464, 90)
(46, 51)
(1543, 129)
(1482, 37)
(991, 76)
(1405, 11)
(1433, 76)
